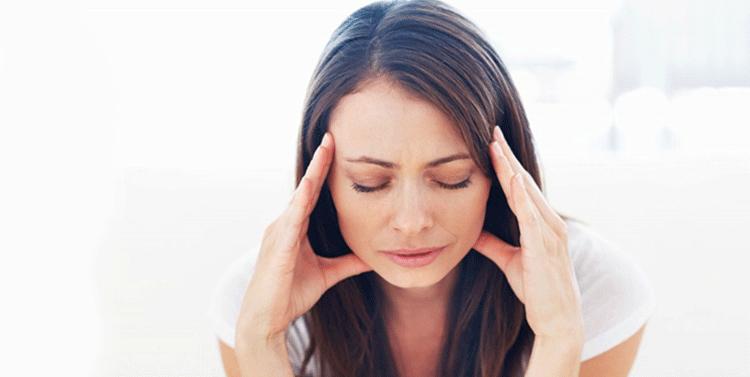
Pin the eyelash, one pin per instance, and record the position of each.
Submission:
(457, 186)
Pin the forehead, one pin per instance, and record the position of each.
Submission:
(384, 117)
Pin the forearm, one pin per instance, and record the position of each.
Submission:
(555, 357)
(261, 358)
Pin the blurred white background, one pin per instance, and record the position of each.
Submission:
(145, 145)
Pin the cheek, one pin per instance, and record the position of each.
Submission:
(464, 218)
(355, 217)
(466, 215)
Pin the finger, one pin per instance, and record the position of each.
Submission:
(528, 218)
(547, 213)
(497, 250)
(305, 196)
(504, 171)
(507, 151)
(319, 167)
(542, 206)
(294, 217)
(340, 268)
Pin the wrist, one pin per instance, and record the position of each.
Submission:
(257, 329)
(569, 345)
(572, 338)
(555, 356)
(572, 335)
(263, 356)
(260, 339)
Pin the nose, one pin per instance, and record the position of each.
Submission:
(411, 212)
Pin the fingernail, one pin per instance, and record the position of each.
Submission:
(495, 146)
(497, 133)
(326, 140)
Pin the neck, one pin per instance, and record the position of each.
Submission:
(404, 305)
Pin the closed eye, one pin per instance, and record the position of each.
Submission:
(367, 189)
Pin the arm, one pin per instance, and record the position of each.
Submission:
(540, 271)
(555, 357)
(229, 360)
(617, 361)
(261, 357)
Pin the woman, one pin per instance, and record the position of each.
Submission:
(418, 241)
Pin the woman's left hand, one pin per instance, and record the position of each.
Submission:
(540, 271)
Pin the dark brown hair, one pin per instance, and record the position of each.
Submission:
(435, 53)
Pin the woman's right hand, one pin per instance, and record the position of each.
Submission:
(289, 276)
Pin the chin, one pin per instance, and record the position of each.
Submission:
(410, 278)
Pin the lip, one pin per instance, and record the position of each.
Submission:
(413, 258)
(413, 251)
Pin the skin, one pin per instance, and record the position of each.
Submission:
(385, 122)
(290, 278)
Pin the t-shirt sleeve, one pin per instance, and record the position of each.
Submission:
(226, 302)
(297, 339)
(617, 295)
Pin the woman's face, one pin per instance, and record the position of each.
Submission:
(410, 204)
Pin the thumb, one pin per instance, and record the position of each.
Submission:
(495, 249)
(340, 268)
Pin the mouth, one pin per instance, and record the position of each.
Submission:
(423, 250)
(415, 257)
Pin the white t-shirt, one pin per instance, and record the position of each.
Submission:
(617, 296)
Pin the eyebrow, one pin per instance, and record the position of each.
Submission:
(392, 165)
